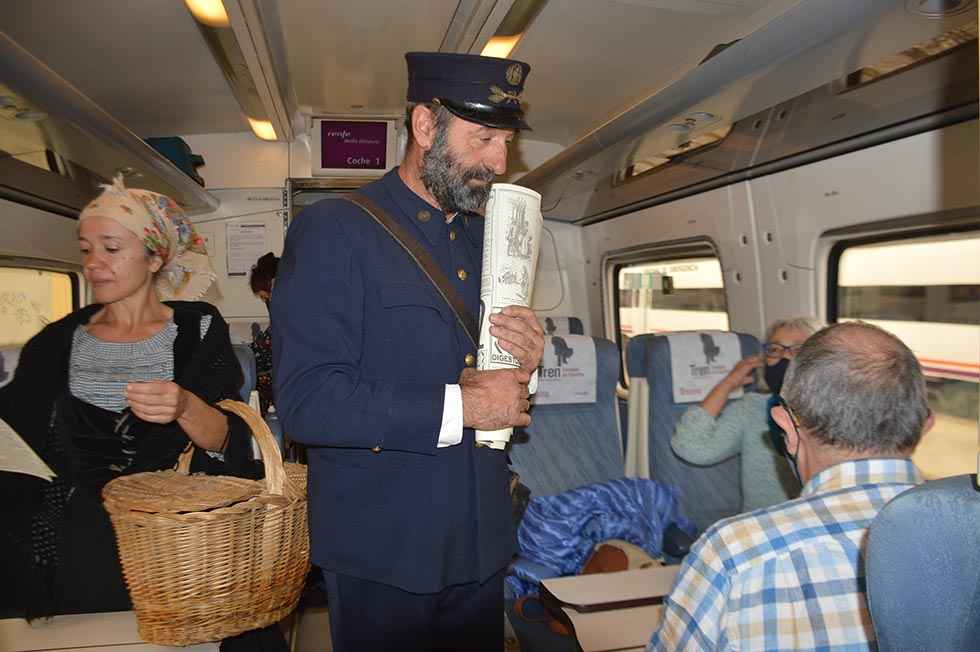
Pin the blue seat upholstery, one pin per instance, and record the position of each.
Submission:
(565, 447)
(923, 568)
(575, 444)
(246, 359)
(562, 326)
(707, 493)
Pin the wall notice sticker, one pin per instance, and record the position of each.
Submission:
(568, 371)
(699, 360)
(246, 243)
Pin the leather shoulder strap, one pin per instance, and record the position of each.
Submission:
(423, 259)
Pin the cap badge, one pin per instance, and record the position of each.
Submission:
(514, 74)
(498, 95)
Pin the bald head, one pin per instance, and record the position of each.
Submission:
(858, 388)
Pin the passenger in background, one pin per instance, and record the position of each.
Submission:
(118, 387)
(710, 433)
(791, 576)
(262, 280)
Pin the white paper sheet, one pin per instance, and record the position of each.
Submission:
(511, 241)
(246, 243)
(17, 457)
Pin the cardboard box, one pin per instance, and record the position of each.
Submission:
(610, 611)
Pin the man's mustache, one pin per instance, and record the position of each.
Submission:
(483, 174)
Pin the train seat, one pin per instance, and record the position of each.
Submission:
(923, 568)
(561, 326)
(572, 442)
(246, 360)
(568, 444)
(706, 493)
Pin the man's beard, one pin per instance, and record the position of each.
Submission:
(449, 182)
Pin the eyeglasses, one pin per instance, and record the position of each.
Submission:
(774, 349)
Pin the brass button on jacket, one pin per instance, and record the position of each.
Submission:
(376, 449)
(461, 273)
(424, 216)
(452, 234)
(470, 360)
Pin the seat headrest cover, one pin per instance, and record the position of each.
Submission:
(699, 360)
(568, 370)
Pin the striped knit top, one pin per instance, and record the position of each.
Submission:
(99, 371)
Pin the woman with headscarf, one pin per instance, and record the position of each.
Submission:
(118, 387)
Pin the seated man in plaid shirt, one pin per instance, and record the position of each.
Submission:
(791, 577)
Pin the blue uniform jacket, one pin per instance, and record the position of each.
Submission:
(363, 347)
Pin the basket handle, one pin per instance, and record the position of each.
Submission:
(275, 473)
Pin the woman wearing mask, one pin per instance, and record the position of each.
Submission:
(710, 433)
(118, 387)
(262, 280)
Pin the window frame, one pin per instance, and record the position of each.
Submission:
(650, 253)
(74, 273)
(838, 248)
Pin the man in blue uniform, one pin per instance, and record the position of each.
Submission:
(410, 519)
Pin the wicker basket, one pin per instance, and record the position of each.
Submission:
(207, 557)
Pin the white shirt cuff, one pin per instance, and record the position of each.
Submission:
(451, 432)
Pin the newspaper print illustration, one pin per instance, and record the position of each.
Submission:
(510, 255)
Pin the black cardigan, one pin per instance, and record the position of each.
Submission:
(207, 367)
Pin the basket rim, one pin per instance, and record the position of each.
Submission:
(172, 492)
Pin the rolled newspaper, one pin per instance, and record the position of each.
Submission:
(511, 240)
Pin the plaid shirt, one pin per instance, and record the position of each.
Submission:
(787, 577)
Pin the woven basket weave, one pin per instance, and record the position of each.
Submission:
(207, 557)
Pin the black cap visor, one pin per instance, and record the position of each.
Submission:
(487, 114)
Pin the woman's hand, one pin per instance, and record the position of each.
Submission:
(742, 373)
(157, 401)
(164, 401)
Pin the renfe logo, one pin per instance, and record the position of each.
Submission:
(353, 145)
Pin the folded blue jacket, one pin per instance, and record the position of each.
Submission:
(558, 533)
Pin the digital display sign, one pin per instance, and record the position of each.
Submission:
(354, 145)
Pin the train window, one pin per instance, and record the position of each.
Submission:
(927, 292)
(31, 299)
(673, 295)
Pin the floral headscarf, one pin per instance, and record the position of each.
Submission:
(165, 230)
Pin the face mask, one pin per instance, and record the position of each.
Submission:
(776, 435)
(774, 375)
(784, 449)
